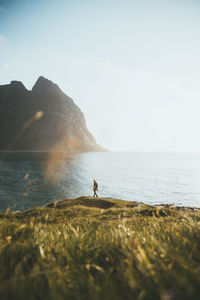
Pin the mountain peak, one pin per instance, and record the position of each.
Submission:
(43, 84)
(17, 84)
(43, 79)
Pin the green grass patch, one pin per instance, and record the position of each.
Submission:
(111, 249)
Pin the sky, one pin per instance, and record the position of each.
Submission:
(132, 66)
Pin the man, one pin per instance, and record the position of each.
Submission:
(95, 188)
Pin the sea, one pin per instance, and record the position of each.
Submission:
(30, 179)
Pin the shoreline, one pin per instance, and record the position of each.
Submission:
(97, 202)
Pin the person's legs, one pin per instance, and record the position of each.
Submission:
(95, 194)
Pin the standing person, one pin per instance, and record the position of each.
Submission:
(95, 188)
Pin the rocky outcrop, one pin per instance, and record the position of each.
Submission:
(43, 119)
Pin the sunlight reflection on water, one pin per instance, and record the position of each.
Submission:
(151, 178)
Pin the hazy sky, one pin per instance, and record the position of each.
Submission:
(133, 67)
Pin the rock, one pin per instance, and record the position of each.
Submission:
(43, 119)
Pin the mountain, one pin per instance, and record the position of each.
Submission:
(43, 119)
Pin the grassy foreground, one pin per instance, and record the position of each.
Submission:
(90, 248)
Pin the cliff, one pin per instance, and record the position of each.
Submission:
(43, 119)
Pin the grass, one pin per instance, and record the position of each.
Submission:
(88, 248)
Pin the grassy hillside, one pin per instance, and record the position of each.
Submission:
(88, 248)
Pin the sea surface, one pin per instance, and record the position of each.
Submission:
(32, 179)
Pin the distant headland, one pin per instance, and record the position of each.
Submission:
(42, 119)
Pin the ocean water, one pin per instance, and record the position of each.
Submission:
(32, 179)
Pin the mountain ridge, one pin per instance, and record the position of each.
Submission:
(42, 119)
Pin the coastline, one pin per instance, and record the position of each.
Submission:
(105, 203)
